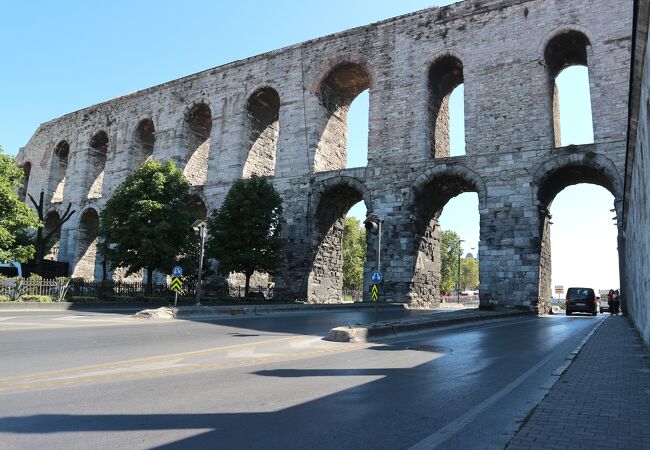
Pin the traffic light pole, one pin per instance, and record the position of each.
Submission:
(378, 266)
(197, 299)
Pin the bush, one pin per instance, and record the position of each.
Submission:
(4, 298)
(36, 299)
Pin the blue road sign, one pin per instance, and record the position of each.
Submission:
(177, 272)
(376, 277)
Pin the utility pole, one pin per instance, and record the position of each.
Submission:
(460, 250)
(200, 229)
(373, 226)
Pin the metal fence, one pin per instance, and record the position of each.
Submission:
(466, 300)
(61, 288)
(352, 295)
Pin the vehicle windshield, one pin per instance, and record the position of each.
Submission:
(580, 294)
(9, 272)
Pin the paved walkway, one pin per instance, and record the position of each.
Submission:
(602, 401)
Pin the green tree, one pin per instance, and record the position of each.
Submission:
(354, 253)
(146, 223)
(449, 253)
(469, 274)
(16, 218)
(245, 231)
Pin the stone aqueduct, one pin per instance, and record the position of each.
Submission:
(283, 115)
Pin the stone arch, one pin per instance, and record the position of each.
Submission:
(97, 153)
(333, 199)
(144, 139)
(58, 168)
(86, 250)
(563, 171)
(52, 219)
(431, 192)
(27, 170)
(197, 126)
(336, 90)
(565, 47)
(263, 130)
(549, 180)
(445, 74)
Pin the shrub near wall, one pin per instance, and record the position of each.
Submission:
(36, 299)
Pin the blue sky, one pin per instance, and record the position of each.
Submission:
(62, 56)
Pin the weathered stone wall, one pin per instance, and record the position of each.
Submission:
(495, 48)
(636, 242)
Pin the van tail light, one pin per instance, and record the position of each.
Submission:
(566, 299)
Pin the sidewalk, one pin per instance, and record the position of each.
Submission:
(602, 401)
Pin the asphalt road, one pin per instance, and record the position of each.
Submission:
(100, 381)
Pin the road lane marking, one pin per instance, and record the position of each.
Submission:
(448, 431)
(222, 364)
(140, 361)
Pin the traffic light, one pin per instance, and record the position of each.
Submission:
(372, 223)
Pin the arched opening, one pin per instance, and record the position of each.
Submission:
(337, 91)
(86, 254)
(325, 281)
(355, 252)
(198, 126)
(561, 55)
(52, 247)
(58, 168)
(263, 118)
(97, 163)
(446, 88)
(447, 228)
(143, 142)
(574, 202)
(27, 169)
(197, 208)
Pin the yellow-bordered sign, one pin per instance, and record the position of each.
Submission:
(176, 285)
(374, 293)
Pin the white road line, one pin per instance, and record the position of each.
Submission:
(435, 439)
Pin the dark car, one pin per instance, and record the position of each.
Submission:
(579, 299)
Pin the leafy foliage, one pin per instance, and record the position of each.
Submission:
(146, 223)
(449, 253)
(245, 232)
(354, 253)
(16, 218)
(469, 274)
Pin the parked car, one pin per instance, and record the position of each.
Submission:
(580, 299)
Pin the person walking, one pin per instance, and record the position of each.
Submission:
(610, 301)
(617, 301)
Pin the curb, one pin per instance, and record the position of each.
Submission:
(504, 439)
(254, 310)
(186, 311)
(377, 330)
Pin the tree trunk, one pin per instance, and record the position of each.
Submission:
(248, 283)
(149, 288)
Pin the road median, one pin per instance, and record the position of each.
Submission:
(363, 333)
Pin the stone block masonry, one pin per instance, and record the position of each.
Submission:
(283, 115)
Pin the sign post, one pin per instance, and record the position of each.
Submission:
(177, 284)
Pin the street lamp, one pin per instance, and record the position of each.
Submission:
(460, 250)
(199, 228)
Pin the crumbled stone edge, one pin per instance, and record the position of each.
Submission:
(363, 333)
